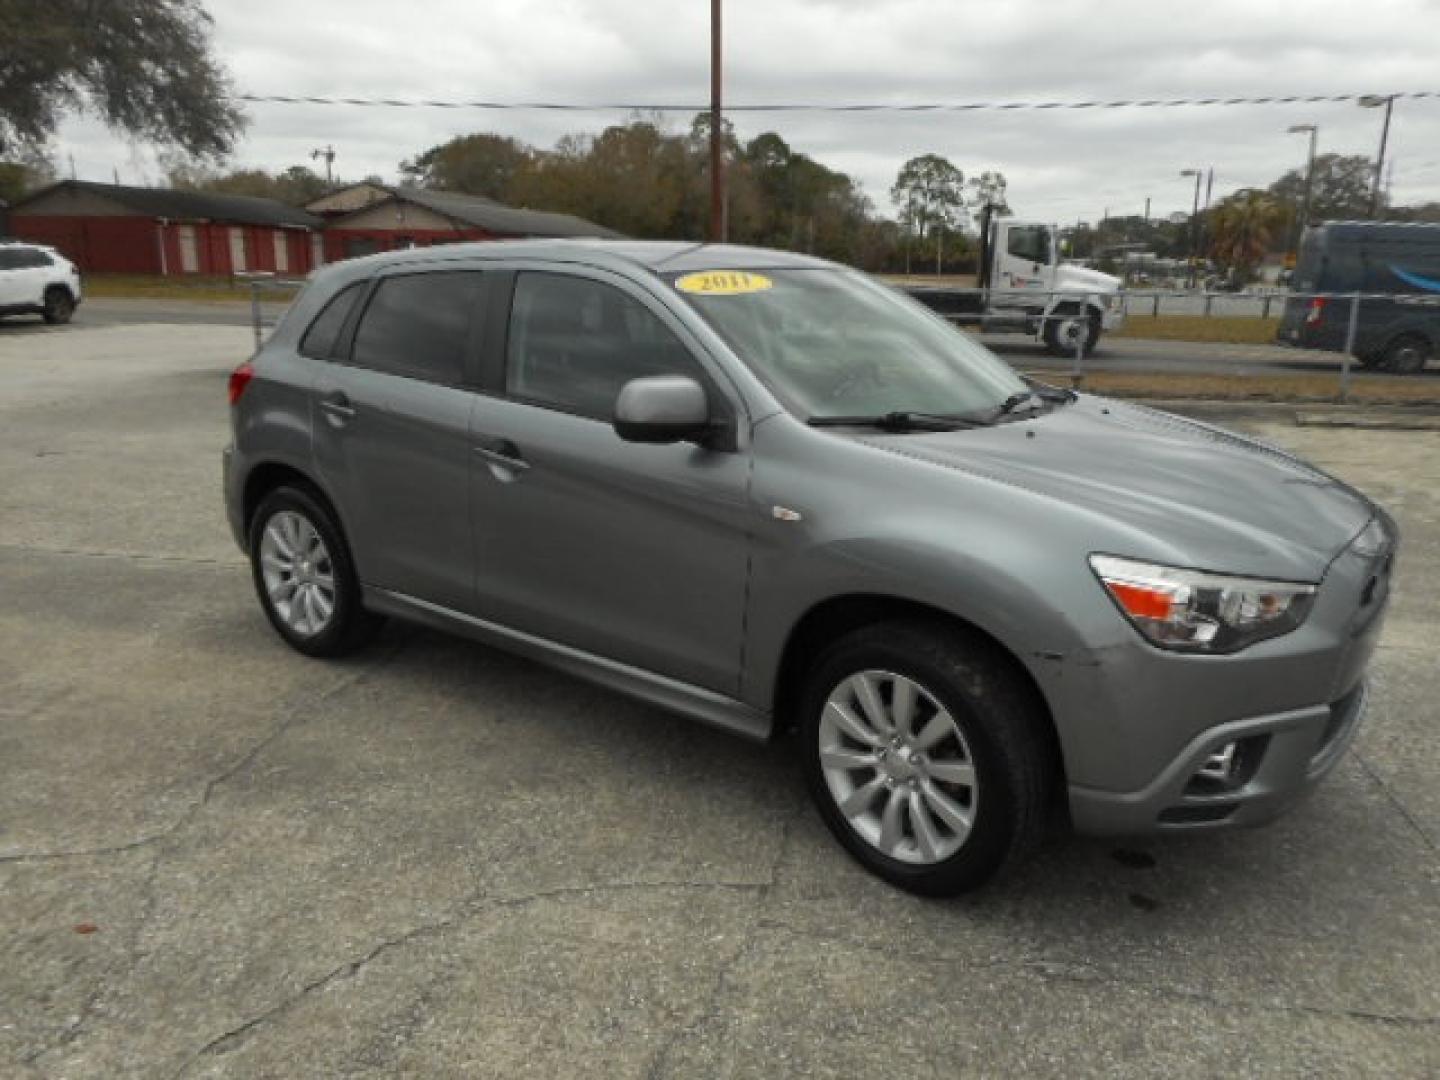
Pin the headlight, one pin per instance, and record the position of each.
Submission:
(1195, 611)
(1115, 302)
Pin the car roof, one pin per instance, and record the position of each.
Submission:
(656, 256)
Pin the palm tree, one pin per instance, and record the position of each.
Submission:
(1243, 228)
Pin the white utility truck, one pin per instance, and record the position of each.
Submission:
(1023, 287)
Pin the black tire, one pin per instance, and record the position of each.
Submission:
(1061, 327)
(349, 625)
(1002, 728)
(59, 306)
(1406, 355)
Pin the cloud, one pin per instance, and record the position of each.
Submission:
(1062, 165)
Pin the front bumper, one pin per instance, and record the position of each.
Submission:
(1157, 741)
(1277, 760)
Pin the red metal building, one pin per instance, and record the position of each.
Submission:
(111, 228)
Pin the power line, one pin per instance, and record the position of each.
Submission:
(878, 107)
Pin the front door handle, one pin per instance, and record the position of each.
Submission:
(502, 454)
(337, 408)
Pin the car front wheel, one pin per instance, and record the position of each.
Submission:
(925, 755)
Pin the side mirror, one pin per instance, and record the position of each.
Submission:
(662, 409)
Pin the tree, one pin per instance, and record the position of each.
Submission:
(478, 164)
(988, 189)
(931, 193)
(144, 66)
(19, 178)
(1243, 227)
(1339, 191)
(296, 186)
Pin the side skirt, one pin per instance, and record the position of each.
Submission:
(695, 702)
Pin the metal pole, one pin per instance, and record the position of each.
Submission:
(1077, 375)
(1380, 161)
(1309, 179)
(717, 143)
(1349, 347)
(1194, 231)
(255, 311)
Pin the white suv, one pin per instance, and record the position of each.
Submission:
(36, 280)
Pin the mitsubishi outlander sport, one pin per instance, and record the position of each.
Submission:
(772, 493)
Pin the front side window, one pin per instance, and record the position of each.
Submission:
(575, 342)
(417, 325)
(836, 343)
(1030, 242)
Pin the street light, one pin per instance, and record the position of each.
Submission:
(1374, 101)
(1298, 129)
(1194, 223)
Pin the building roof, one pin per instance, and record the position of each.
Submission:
(496, 217)
(183, 205)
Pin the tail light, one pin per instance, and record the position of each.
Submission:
(1316, 312)
(239, 380)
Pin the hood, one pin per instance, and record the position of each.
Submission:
(1169, 489)
(1068, 275)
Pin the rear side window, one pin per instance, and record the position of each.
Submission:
(417, 325)
(575, 342)
(34, 257)
(319, 341)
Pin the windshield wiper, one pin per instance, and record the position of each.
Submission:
(1014, 401)
(900, 421)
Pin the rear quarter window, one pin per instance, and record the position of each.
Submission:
(323, 333)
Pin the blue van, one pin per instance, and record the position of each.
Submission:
(1396, 265)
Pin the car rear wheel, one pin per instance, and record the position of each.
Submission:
(1406, 355)
(59, 306)
(924, 754)
(304, 576)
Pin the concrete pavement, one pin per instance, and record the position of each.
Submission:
(218, 858)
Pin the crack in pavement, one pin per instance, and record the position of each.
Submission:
(468, 909)
(294, 718)
(1396, 802)
(710, 1011)
(236, 563)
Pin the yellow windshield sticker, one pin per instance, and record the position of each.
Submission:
(723, 283)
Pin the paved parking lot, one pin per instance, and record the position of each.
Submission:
(218, 858)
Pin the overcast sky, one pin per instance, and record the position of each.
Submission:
(1061, 165)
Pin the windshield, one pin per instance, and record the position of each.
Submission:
(834, 343)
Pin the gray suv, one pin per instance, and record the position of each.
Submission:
(772, 493)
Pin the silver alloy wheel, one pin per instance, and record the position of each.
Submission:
(299, 576)
(898, 767)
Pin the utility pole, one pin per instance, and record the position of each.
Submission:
(1374, 101)
(717, 141)
(1300, 129)
(328, 154)
(1194, 223)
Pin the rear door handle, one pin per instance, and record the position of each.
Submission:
(337, 408)
(501, 452)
